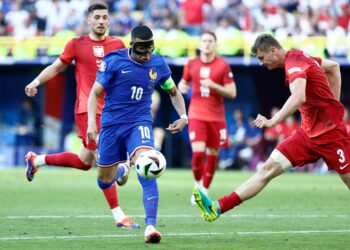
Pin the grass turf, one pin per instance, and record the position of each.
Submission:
(64, 209)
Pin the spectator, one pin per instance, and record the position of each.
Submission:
(192, 12)
(236, 134)
(28, 122)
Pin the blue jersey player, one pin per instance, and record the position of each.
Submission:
(128, 77)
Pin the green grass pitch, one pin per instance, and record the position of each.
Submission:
(64, 209)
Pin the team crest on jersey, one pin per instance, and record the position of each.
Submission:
(153, 74)
(98, 51)
(204, 72)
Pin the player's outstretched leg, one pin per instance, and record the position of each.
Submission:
(208, 207)
(30, 169)
(152, 235)
(122, 175)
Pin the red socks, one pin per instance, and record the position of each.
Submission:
(111, 196)
(209, 170)
(197, 165)
(228, 202)
(66, 159)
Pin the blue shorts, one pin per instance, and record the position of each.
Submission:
(117, 142)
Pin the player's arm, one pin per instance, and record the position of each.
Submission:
(227, 90)
(48, 73)
(295, 100)
(183, 86)
(332, 70)
(96, 90)
(178, 103)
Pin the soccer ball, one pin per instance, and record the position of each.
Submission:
(150, 164)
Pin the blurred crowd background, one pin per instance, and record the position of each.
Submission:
(320, 26)
(33, 34)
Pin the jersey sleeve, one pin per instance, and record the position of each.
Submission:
(68, 54)
(317, 59)
(106, 70)
(227, 74)
(186, 73)
(295, 67)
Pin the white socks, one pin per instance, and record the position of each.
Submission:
(39, 161)
(118, 214)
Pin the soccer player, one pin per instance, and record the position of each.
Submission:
(87, 51)
(314, 84)
(128, 77)
(212, 81)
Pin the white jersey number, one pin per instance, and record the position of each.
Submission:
(145, 133)
(137, 93)
(205, 91)
(340, 152)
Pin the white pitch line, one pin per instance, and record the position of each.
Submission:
(264, 216)
(54, 237)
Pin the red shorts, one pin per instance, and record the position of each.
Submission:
(81, 120)
(333, 146)
(214, 134)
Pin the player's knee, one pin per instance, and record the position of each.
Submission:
(268, 171)
(106, 178)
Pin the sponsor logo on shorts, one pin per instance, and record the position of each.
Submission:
(342, 167)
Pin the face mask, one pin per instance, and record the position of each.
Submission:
(143, 48)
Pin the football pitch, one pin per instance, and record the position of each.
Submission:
(64, 209)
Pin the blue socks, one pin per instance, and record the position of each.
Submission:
(150, 199)
(120, 171)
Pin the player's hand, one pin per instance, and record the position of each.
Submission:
(261, 121)
(207, 83)
(183, 87)
(177, 126)
(91, 132)
(31, 89)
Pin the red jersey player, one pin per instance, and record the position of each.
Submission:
(212, 80)
(314, 84)
(87, 51)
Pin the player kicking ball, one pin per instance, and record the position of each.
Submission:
(129, 77)
(314, 84)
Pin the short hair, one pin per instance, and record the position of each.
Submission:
(142, 32)
(264, 42)
(97, 6)
(209, 33)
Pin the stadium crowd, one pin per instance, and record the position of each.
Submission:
(232, 20)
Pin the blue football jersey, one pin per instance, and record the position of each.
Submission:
(129, 86)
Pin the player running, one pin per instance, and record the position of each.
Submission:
(87, 51)
(314, 84)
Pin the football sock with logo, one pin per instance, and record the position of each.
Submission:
(228, 202)
(209, 170)
(66, 159)
(197, 165)
(150, 199)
